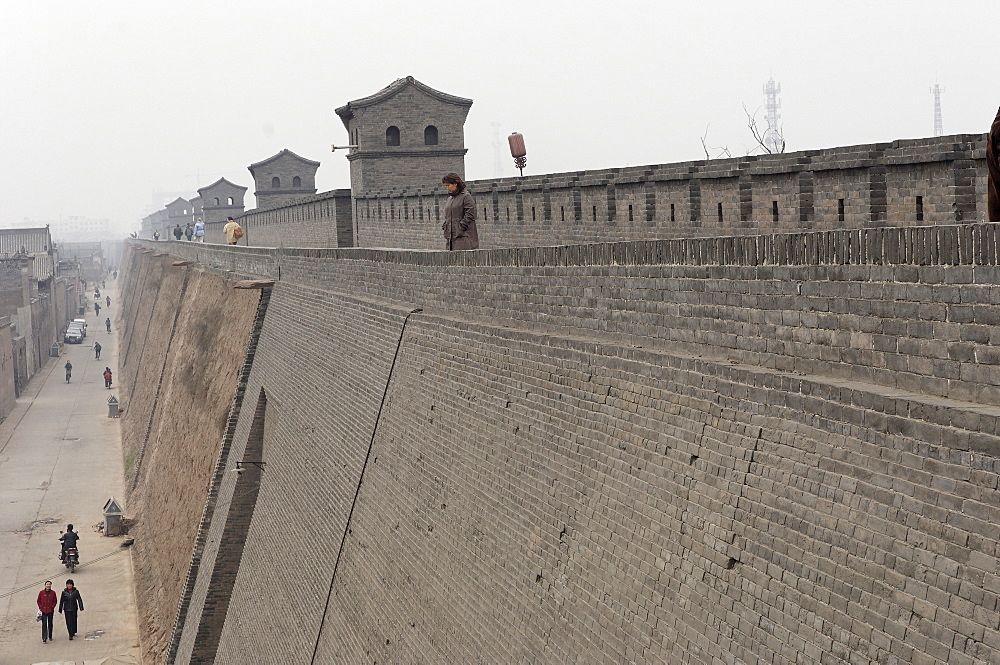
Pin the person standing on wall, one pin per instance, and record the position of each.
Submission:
(188, 231)
(993, 171)
(233, 231)
(156, 235)
(459, 224)
(47, 601)
(199, 231)
(68, 604)
(178, 232)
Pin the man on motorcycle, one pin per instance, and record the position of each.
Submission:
(68, 540)
(69, 370)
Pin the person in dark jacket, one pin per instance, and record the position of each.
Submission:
(178, 232)
(459, 224)
(47, 600)
(993, 171)
(69, 601)
(68, 540)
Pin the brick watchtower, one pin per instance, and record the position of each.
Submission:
(283, 178)
(220, 200)
(408, 136)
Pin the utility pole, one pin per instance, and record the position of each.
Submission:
(497, 162)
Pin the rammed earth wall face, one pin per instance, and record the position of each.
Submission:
(184, 332)
(568, 466)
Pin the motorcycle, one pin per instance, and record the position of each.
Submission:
(71, 558)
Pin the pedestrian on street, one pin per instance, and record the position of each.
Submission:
(69, 370)
(107, 322)
(97, 350)
(178, 232)
(97, 308)
(107, 299)
(107, 377)
(188, 231)
(199, 231)
(68, 604)
(47, 601)
(459, 215)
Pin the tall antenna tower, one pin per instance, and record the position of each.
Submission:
(497, 152)
(773, 140)
(938, 125)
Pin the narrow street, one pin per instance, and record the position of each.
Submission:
(60, 461)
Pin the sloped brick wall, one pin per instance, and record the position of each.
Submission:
(184, 337)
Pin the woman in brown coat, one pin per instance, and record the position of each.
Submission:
(459, 215)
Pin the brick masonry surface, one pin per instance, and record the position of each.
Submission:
(614, 453)
(901, 183)
(184, 334)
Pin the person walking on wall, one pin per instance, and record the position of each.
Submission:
(188, 231)
(68, 604)
(178, 232)
(993, 171)
(97, 350)
(156, 235)
(459, 224)
(47, 601)
(199, 231)
(233, 231)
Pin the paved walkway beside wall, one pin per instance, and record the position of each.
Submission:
(60, 461)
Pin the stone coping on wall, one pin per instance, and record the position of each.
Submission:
(956, 244)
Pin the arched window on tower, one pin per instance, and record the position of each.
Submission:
(296, 181)
(431, 135)
(216, 200)
(229, 201)
(275, 182)
(392, 136)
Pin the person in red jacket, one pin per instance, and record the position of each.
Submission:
(47, 601)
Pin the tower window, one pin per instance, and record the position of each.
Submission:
(216, 200)
(840, 210)
(562, 213)
(720, 212)
(296, 181)
(774, 211)
(920, 208)
(630, 218)
(430, 135)
(229, 201)
(595, 213)
(673, 213)
(392, 136)
(275, 182)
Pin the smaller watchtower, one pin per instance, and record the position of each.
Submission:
(220, 200)
(283, 178)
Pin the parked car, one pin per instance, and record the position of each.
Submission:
(83, 324)
(73, 335)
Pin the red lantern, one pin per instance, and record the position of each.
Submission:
(517, 151)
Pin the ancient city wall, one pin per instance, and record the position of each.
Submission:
(184, 332)
(664, 451)
(907, 182)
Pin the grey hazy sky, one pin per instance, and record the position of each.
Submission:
(105, 102)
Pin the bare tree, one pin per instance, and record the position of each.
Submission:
(763, 138)
(720, 151)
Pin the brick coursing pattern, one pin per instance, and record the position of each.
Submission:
(625, 452)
